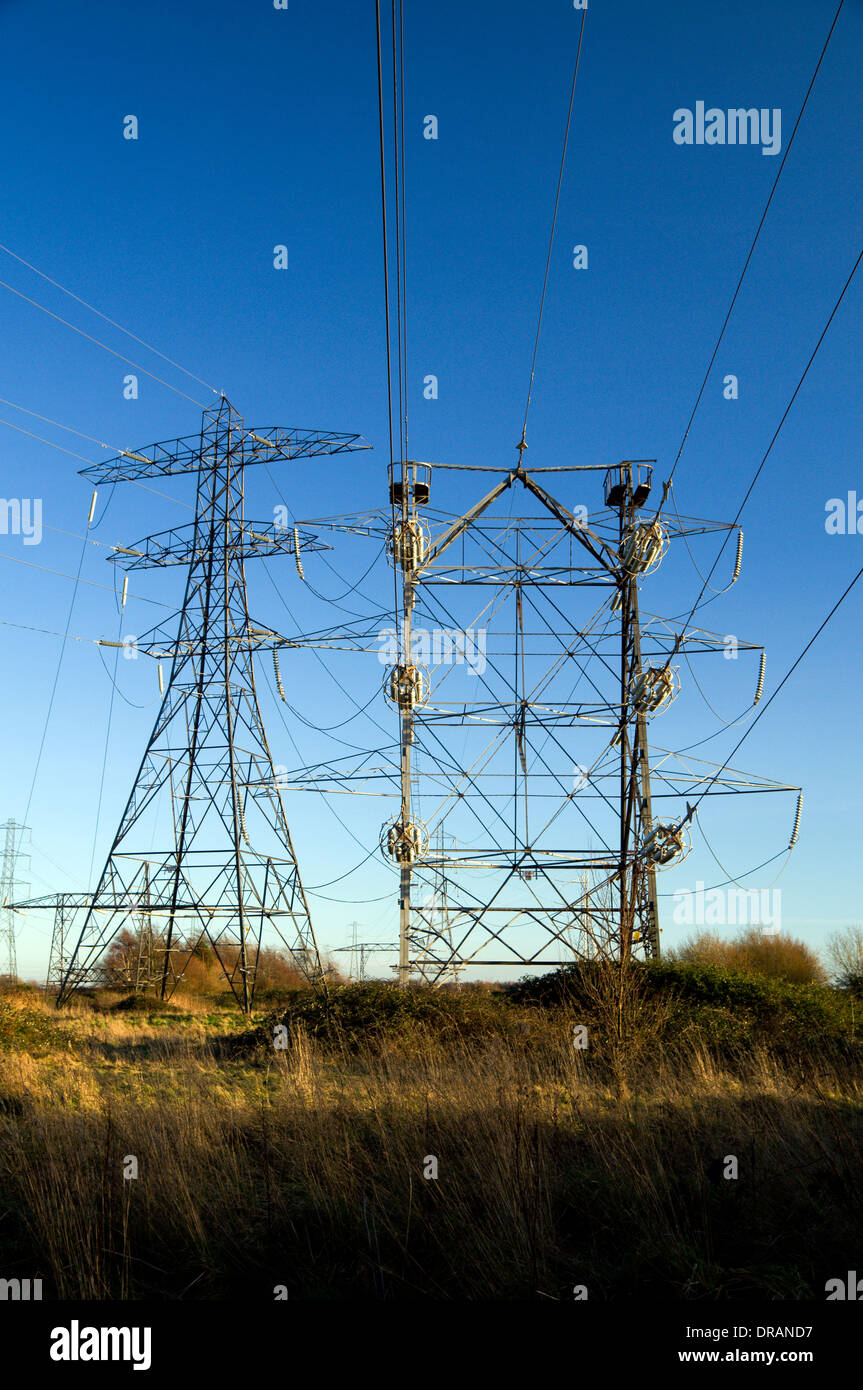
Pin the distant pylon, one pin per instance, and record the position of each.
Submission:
(148, 971)
(57, 958)
(432, 926)
(356, 961)
(66, 907)
(227, 867)
(14, 837)
(360, 952)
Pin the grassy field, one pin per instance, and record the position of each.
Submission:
(558, 1167)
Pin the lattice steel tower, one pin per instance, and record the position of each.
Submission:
(547, 864)
(14, 837)
(531, 816)
(523, 886)
(227, 867)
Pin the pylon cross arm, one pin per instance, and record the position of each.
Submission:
(269, 444)
(182, 545)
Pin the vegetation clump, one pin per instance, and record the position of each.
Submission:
(462, 1143)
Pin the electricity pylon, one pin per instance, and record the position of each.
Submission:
(427, 945)
(434, 923)
(360, 952)
(525, 678)
(66, 907)
(146, 968)
(356, 964)
(507, 902)
(227, 867)
(15, 835)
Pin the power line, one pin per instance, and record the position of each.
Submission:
(112, 322)
(91, 339)
(403, 219)
(746, 874)
(752, 247)
(156, 493)
(523, 444)
(133, 704)
(768, 450)
(105, 754)
(91, 584)
(382, 145)
(56, 679)
(69, 430)
(730, 877)
(384, 223)
(76, 536)
(52, 632)
(353, 901)
(347, 872)
(49, 442)
(397, 176)
(792, 668)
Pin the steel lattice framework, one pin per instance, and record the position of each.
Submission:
(532, 814)
(12, 857)
(228, 867)
(535, 758)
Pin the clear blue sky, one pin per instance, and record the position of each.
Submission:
(259, 127)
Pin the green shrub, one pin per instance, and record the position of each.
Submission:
(24, 1030)
(712, 1002)
(379, 1008)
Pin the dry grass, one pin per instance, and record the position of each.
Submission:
(305, 1167)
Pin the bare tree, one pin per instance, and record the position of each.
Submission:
(845, 954)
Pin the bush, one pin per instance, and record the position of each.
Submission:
(665, 1005)
(23, 1029)
(380, 1008)
(368, 1012)
(144, 1004)
(710, 1003)
(779, 957)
